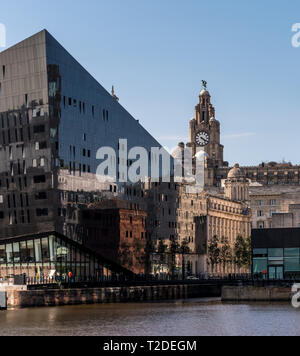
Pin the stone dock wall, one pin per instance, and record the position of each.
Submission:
(252, 293)
(54, 297)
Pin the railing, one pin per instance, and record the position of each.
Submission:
(93, 282)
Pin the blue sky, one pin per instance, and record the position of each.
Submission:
(156, 52)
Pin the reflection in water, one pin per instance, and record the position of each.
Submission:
(180, 318)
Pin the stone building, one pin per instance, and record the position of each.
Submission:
(203, 216)
(268, 201)
(273, 186)
(288, 219)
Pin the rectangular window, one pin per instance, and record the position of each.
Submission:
(9, 253)
(38, 129)
(39, 179)
(41, 196)
(16, 252)
(41, 212)
(292, 252)
(40, 145)
(292, 264)
(45, 250)
(260, 265)
(275, 252)
(38, 250)
(261, 225)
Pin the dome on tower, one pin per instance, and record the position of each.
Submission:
(204, 92)
(236, 172)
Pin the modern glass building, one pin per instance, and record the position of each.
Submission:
(54, 117)
(47, 256)
(276, 253)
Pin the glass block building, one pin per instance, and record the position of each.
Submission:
(54, 116)
(276, 253)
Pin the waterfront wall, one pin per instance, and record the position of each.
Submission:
(252, 293)
(54, 297)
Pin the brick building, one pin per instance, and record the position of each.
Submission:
(116, 232)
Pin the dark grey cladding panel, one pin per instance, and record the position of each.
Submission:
(276, 238)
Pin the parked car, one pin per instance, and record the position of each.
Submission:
(192, 278)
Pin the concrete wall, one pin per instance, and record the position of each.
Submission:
(39, 298)
(251, 293)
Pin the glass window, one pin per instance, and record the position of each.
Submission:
(38, 250)
(260, 252)
(275, 252)
(2, 254)
(16, 248)
(260, 265)
(30, 251)
(23, 252)
(9, 253)
(62, 251)
(291, 264)
(45, 250)
(52, 248)
(289, 252)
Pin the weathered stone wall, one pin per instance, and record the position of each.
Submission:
(251, 293)
(39, 298)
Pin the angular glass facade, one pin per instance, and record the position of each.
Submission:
(53, 256)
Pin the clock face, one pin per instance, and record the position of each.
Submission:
(202, 138)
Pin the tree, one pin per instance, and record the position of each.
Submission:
(184, 250)
(247, 258)
(148, 254)
(242, 252)
(162, 248)
(225, 253)
(174, 248)
(239, 252)
(213, 252)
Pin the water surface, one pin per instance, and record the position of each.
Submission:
(193, 317)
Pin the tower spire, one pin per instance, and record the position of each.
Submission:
(113, 93)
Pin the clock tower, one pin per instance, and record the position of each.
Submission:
(205, 132)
